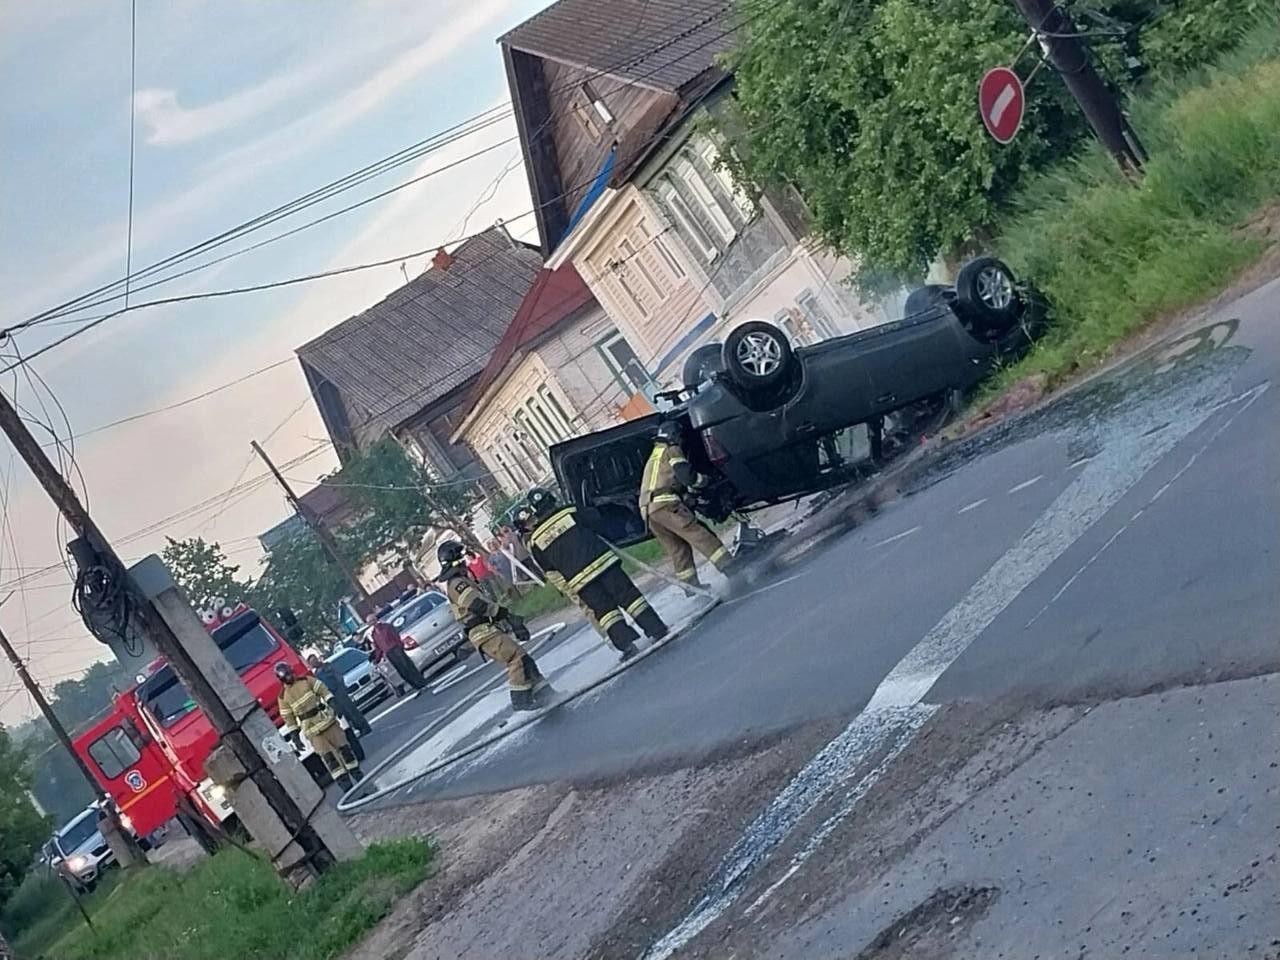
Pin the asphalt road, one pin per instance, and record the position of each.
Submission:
(1121, 540)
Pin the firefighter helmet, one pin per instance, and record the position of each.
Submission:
(449, 553)
(669, 432)
(284, 672)
(541, 502)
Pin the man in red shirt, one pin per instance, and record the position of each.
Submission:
(387, 643)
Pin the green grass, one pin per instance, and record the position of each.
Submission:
(233, 905)
(41, 910)
(1112, 256)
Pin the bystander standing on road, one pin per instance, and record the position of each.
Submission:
(388, 645)
(341, 700)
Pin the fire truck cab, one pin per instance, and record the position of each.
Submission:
(149, 751)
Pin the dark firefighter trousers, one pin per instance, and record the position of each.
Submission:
(609, 596)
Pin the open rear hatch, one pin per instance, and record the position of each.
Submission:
(600, 474)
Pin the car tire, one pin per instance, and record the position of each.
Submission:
(987, 294)
(757, 356)
(701, 364)
(924, 300)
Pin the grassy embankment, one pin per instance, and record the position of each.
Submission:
(1113, 256)
(231, 905)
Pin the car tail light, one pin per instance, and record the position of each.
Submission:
(716, 452)
(409, 643)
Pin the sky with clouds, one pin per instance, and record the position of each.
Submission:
(240, 106)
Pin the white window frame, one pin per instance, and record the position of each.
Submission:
(688, 171)
(693, 230)
(677, 271)
(559, 413)
(631, 261)
(621, 373)
(712, 158)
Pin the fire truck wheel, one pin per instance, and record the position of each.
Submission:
(196, 829)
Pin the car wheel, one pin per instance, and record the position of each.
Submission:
(757, 355)
(701, 364)
(987, 293)
(924, 300)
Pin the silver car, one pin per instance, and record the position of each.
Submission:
(432, 636)
(79, 852)
(365, 685)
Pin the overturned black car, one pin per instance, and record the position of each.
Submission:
(768, 423)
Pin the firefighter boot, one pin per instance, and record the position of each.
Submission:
(542, 691)
(654, 627)
(345, 782)
(523, 700)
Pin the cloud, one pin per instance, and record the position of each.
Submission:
(223, 174)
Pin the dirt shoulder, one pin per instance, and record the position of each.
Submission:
(547, 871)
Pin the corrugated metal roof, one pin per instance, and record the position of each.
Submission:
(659, 43)
(428, 337)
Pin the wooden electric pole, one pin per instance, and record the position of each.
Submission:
(59, 730)
(1062, 43)
(198, 677)
(317, 526)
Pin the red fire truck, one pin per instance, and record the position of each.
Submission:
(149, 751)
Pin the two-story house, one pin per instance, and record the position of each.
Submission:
(619, 104)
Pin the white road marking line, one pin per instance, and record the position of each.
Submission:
(1079, 463)
(1252, 396)
(1026, 483)
(912, 724)
(897, 536)
(396, 706)
(1126, 457)
(973, 506)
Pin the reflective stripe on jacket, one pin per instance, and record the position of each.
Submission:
(659, 483)
(562, 544)
(473, 609)
(305, 704)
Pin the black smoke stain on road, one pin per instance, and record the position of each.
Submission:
(931, 929)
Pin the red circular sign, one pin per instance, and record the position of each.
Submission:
(1002, 102)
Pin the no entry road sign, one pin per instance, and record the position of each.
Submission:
(1002, 103)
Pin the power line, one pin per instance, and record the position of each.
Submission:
(485, 118)
(133, 95)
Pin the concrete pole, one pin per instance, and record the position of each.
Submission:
(281, 797)
(270, 791)
(1059, 37)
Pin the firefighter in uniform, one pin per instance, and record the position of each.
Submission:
(304, 704)
(587, 570)
(667, 478)
(491, 627)
(524, 524)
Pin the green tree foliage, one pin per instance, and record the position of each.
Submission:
(298, 574)
(203, 571)
(22, 829)
(386, 486)
(868, 107)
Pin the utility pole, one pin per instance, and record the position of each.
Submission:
(277, 791)
(123, 844)
(440, 509)
(1062, 44)
(317, 526)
